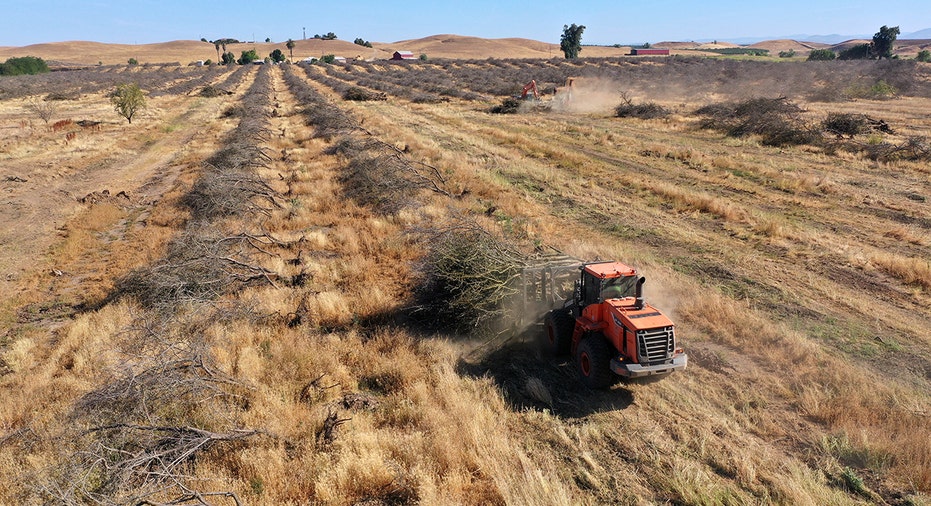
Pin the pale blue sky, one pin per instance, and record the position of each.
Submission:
(607, 22)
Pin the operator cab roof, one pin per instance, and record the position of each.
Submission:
(609, 270)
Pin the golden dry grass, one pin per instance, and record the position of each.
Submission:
(796, 290)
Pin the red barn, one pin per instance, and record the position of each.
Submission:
(649, 52)
(403, 55)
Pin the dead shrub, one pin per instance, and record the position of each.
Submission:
(163, 378)
(62, 96)
(914, 148)
(379, 176)
(507, 106)
(135, 463)
(845, 124)
(43, 110)
(850, 125)
(222, 193)
(234, 111)
(359, 94)
(165, 404)
(427, 98)
(646, 110)
(199, 266)
(777, 121)
(210, 91)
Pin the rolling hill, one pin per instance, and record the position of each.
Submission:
(71, 53)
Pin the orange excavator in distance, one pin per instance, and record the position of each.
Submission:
(601, 318)
(529, 88)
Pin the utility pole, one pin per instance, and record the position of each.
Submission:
(304, 31)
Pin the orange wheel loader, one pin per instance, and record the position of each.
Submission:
(604, 322)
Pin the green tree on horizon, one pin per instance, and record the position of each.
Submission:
(571, 40)
(29, 65)
(883, 41)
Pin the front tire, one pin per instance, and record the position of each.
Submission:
(593, 357)
(558, 326)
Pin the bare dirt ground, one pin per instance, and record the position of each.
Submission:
(48, 179)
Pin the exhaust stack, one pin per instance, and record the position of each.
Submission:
(639, 302)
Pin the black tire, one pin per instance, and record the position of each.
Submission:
(594, 361)
(558, 326)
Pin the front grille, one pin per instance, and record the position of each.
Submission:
(656, 345)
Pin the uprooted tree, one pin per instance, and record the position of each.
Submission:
(470, 279)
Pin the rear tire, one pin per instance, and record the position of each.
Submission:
(593, 357)
(558, 326)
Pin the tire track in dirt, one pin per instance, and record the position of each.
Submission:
(142, 160)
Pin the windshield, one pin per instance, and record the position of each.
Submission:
(617, 288)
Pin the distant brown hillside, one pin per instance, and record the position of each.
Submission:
(183, 51)
(435, 46)
(186, 51)
(779, 45)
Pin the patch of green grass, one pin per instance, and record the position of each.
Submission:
(747, 175)
(848, 336)
(626, 231)
(258, 485)
(854, 483)
(840, 447)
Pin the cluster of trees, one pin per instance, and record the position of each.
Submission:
(821, 55)
(248, 57)
(881, 47)
(225, 42)
(328, 36)
(23, 65)
(362, 42)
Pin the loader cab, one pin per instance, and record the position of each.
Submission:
(610, 280)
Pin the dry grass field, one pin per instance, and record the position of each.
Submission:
(218, 303)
